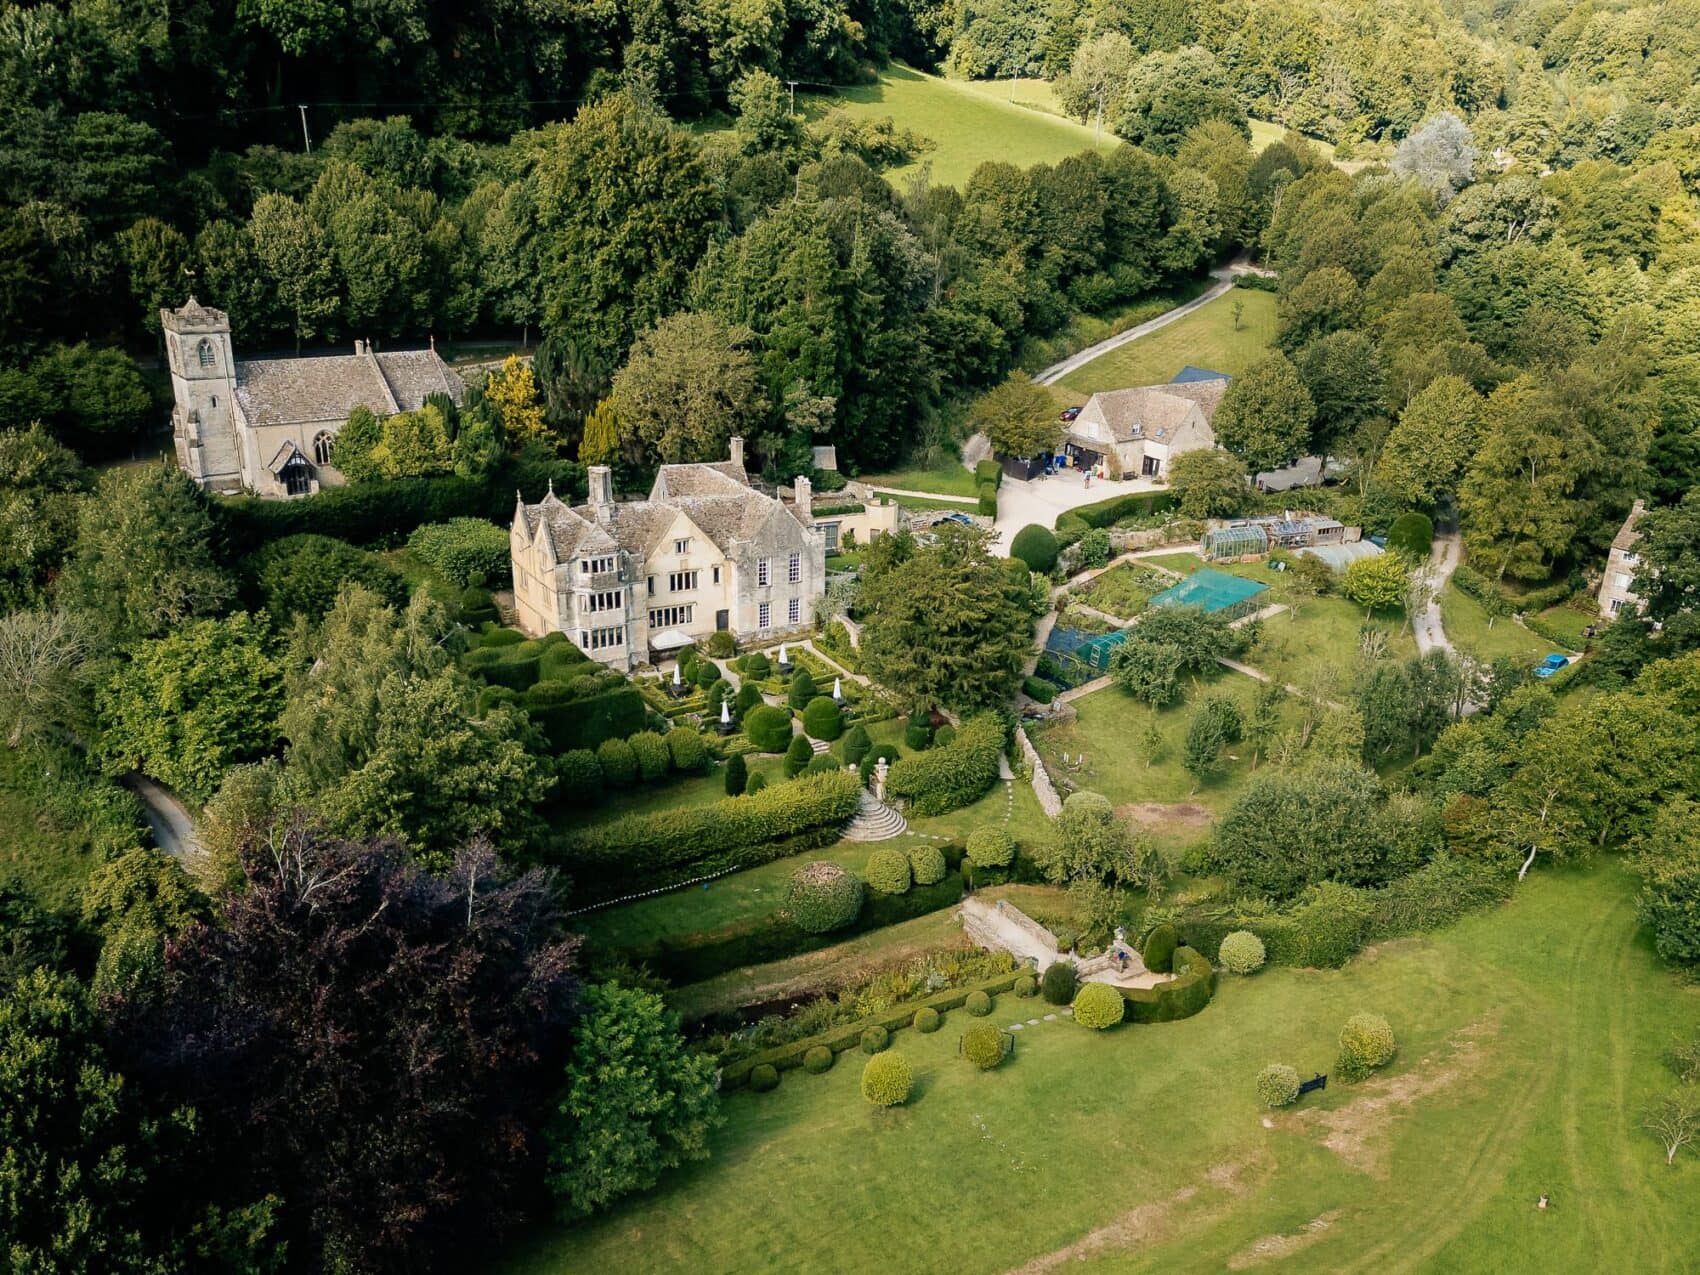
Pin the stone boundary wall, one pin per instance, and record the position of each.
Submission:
(1043, 788)
(1016, 917)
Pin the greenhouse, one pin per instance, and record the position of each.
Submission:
(1215, 592)
(1236, 540)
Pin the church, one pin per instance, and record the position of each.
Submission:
(266, 425)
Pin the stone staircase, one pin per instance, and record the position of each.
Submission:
(820, 746)
(874, 821)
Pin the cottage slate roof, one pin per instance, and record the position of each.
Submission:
(1148, 411)
(1206, 393)
(1624, 540)
(716, 478)
(328, 387)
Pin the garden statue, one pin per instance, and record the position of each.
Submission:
(675, 678)
(879, 779)
(784, 664)
(725, 717)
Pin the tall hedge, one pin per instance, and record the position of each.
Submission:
(466, 550)
(1075, 523)
(953, 776)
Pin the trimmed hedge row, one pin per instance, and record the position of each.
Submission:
(954, 775)
(1180, 997)
(849, 1035)
(1074, 524)
(735, 830)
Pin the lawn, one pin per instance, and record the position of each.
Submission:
(934, 502)
(1205, 338)
(1529, 1040)
(949, 479)
(1471, 629)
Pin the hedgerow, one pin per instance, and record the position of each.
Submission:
(948, 778)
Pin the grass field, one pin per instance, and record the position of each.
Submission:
(1529, 1040)
(1205, 338)
(947, 480)
(1470, 628)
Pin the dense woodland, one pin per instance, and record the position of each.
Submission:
(361, 1037)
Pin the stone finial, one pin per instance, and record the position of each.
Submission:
(725, 713)
(838, 688)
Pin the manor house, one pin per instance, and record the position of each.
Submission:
(632, 581)
(266, 425)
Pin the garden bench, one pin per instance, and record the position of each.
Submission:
(1315, 1082)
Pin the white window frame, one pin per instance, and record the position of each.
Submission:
(672, 617)
(764, 614)
(795, 568)
(764, 576)
(604, 639)
(796, 611)
(595, 566)
(609, 600)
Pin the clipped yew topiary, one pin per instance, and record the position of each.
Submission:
(1098, 1006)
(801, 690)
(737, 775)
(721, 644)
(1036, 546)
(823, 718)
(821, 764)
(855, 745)
(758, 781)
(769, 728)
(619, 763)
(926, 1019)
(764, 1077)
(888, 871)
(798, 755)
(578, 776)
(1366, 1042)
(983, 1046)
(653, 757)
(823, 897)
(918, 734)
(757, 665)
(990, 847)
(818, 1059)
(1241, 953)
(1059, 982)
(1277, 1085)
(1160, 947)
(927, 864)
(689, 753)
(1026, 987)
(875, 1039)
(887, 1079)
(978, 1004)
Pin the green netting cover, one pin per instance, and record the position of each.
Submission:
(1213, 591)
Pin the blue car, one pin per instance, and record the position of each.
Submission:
(1551, 665)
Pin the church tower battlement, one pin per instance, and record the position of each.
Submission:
(203, 388)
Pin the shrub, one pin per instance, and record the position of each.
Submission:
(1159, 950)
(757, 665)
(1059, 982)
(798, 755)
(927, 865)
(475, 606)
(1038, 690)
(978, 1004)
(1241, 953)
(918, 733)
(944, 736)
(721, 644)
(855, 745)
(1366, 1042)
(823, 897)
(871, 764)
(689, 753)
(1412, 534)
(888, 871)
(926, 1020)
(1094, 549)
(1036, 546)
(887, 1080)
(822, 764)
(1099, 1006)
(748, 697)
(1074, 524)
(737, 775)
(823, 719)
(988, 497)
(758, 781)
(653, 756)
(990, 847)
(466, 550)
(947, 779)
(1277, 1085)
(705, 673)
(769, 728)
(303, 575)
(619, 762)
(764, 1078)
(579, 776)
(1065, 937)
(875, 1039)
(988, 471)
(818, 1059)
(983, 1046)
(801, 690)
(1026, 987)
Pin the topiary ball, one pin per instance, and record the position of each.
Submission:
(1098, 1006)
(763, 1077)
(990, 847)
(888, 871)
(1241, 953)
(822, 896)
(927, 865)
(1026, 986)
(823, 719)
(978, 1004)
(983, 1046)
(1059, 982)
(1277, 1085)
(769, 728)
(1160, 947)
(887, 1080)
(1036, 546)
(1366, 1042)
(874, 1039)
(817, 1059)
(798, 755)
(926, 1019)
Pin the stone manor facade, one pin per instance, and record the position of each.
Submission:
(266, 425)
(634, 581)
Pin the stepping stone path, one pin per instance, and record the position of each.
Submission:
(874, 821)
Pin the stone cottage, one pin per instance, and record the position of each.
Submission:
(1617, 589)
(266, 425)
(1135, 433)
(632, 581)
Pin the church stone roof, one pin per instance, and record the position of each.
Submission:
(328, 387)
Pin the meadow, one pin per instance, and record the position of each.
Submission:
(1208, 337)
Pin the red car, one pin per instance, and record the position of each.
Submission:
(1069, 413)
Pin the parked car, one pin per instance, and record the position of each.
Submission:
(1069, 413)
(1551, 665)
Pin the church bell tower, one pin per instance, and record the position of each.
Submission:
(203, 387)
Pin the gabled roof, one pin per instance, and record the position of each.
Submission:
(328, 387)
(286, 454)
(1155, 412)
(717, 478)
(1624, 540)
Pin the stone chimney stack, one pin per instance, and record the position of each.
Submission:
(602, 492)
(362, 346)
(805, 493)
(738, 450)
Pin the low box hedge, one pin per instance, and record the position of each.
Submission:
(849, 1035)
(1180, 997)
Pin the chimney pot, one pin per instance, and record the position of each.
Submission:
(805, 491)
(602, 490)
(738, 450)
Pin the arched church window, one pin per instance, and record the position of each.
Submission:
(322, 448)
(204, 353)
